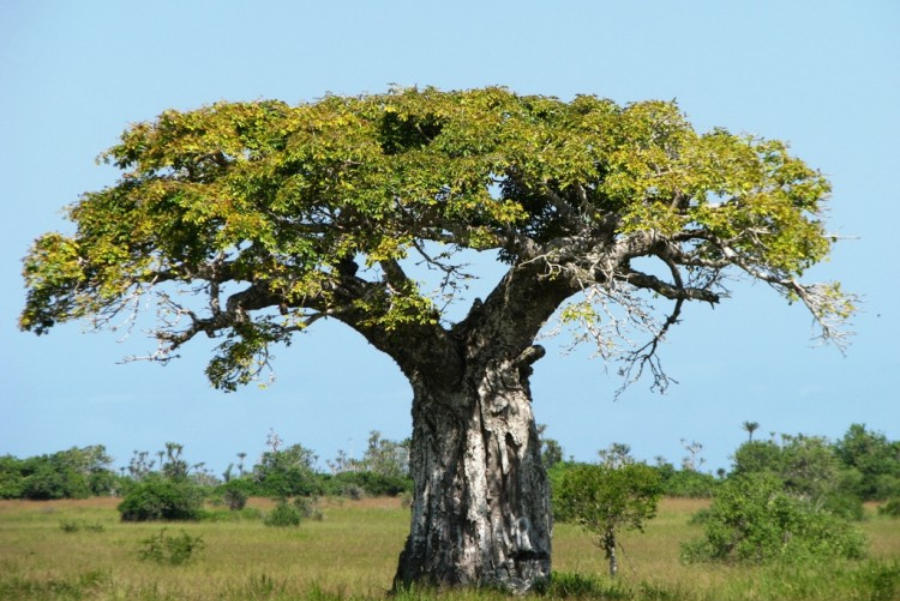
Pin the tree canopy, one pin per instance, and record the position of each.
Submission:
(273, 216)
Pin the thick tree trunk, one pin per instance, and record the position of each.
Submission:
(481, 513)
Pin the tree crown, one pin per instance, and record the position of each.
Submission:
(276, 216)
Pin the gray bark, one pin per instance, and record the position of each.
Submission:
(481, 510)
(609, 545)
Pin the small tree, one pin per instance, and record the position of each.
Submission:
(286, 472)
(604, 499)
(750, 428)
(875, 458)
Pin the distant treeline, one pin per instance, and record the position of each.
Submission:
(280, 472)
(862, 466)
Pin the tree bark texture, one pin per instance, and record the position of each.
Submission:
(609, 545)
(481, 509)
(481, 513)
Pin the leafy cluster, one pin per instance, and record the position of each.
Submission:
(602, 498)
(249, 221)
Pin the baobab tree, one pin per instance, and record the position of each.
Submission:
(247, 222)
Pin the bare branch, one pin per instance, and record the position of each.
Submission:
(646, 356)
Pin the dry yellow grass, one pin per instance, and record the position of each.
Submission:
(355, 548)
(352, 552)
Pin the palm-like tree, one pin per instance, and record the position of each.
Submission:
(750, 427)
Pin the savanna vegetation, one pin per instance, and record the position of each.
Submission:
(80, 549)
(247, 222)
(787, 522)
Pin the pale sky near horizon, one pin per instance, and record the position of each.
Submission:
(822, 75)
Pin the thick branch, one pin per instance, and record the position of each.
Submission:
(670, 291)
(515, 311)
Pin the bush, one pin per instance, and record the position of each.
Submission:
(284, 515)
(291, 513)
(352, 492)
(700, 517)
(50, 481)
(235, 493)
(753, 520)
(70, 526)
(308, 509)
(887, 487)
(286, 473)
(162, 499)
(891, 508)
(689, 484)
(172, 550)
(365, 482)
(844, 505)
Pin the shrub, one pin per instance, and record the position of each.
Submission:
(844, 505)
(700, 517)
(284, 515)
(752, 519)
(52, 481)
(235, 499)
(352, 492)
(308, 509)
(235, 493)
(366, 482)
(891, 508)
(689, 484)
(172, 550)
(162, 499)
(70, 526)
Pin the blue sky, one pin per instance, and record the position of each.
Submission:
(821, 75)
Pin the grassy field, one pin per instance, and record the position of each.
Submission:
(80, 550)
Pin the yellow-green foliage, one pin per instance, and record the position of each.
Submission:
(352, 554)
(294, 198)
